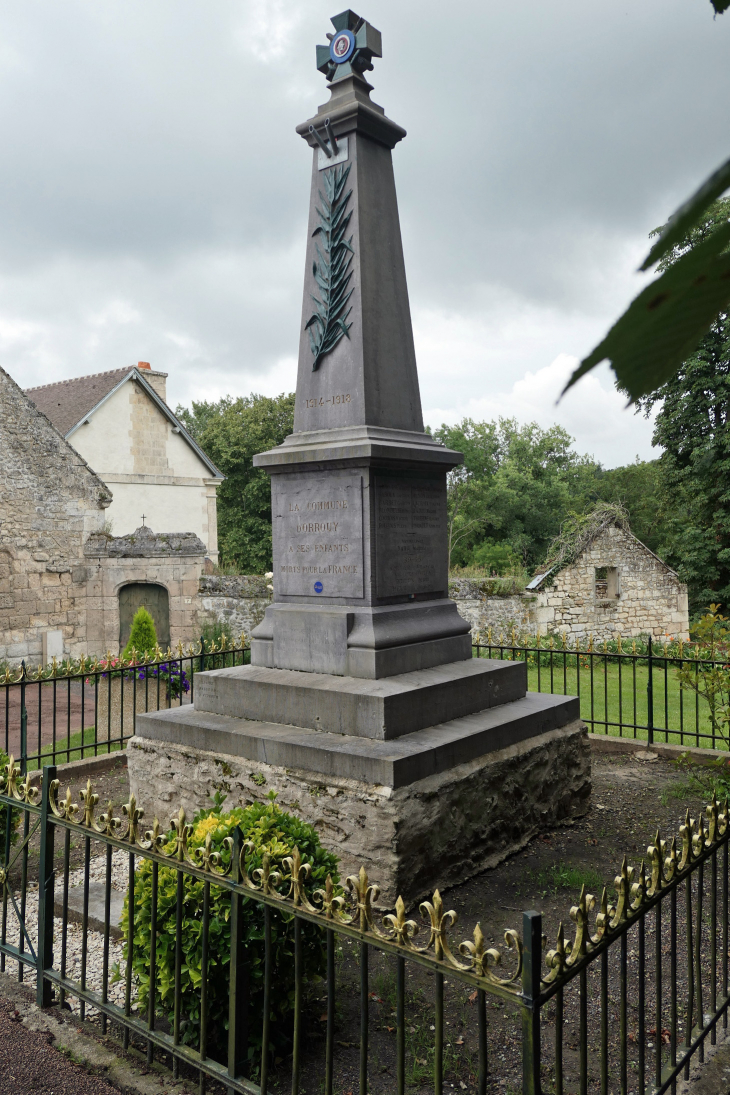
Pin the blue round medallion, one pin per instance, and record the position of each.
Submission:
(342, 46)
(318, 587)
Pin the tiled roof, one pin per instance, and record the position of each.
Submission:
(68, 401)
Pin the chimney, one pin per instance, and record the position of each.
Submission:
(154, 379)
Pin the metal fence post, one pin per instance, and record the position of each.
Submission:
(23, 725)
(44, 989)
(650, 699)
(238, 974)
(531, 967)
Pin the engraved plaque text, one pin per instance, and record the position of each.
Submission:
(317, 528)
(410, 536)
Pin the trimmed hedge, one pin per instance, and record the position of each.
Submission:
(271, 830)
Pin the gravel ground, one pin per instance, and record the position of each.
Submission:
(29, 1062)
(95, 940)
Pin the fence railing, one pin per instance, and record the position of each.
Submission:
(629, 689)
(68, 710)
(611, 1010)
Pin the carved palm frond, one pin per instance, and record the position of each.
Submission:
(331, 269)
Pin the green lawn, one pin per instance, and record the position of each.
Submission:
(613, 699)
(73, 748)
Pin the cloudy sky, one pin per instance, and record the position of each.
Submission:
(154, 194)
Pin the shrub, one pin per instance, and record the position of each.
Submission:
(142, 637)
(271, 830)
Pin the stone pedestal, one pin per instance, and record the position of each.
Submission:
(413, 837)
(423, 777)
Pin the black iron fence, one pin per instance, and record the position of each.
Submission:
(656, 691)
(622, 1007)
(68, 710)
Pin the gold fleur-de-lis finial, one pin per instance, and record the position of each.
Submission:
(365, 893)
(108, 824)
(183, 832)
(133, 815)
(90, 799)
(403, 930)
(440, 923)
(332, 903)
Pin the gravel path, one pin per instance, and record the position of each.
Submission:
(74, 937)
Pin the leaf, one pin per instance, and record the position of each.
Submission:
(327, 326)
(720, 6)
(663, 325)
(689, 212)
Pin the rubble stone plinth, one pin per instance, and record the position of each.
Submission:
(435, 832)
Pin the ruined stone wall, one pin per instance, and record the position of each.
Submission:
(484, 610)
(238, 601)
(650, 598)
(50, 501)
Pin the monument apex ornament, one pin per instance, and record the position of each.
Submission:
(351, 49)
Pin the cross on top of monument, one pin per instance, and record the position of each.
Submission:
(352, 47)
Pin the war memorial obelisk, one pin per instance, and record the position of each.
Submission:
(363, 707)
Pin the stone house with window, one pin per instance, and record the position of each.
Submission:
(603, 583)
(611, 584)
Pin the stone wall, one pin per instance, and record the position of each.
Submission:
(173, 560)
(239, 602)
(436, 832)
(50, 501)
(484, 610)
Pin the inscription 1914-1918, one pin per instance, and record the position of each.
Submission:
(411, 546)
(317, 531)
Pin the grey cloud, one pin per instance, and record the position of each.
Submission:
(153, 195)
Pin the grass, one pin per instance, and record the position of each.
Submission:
(613, 698)
(73, 748)
(562, 876)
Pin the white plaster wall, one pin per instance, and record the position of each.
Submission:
(167, 508)
(104, 442)
(176, 494)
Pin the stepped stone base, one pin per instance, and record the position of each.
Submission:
(432, 831)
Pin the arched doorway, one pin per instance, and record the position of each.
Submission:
(152, 597)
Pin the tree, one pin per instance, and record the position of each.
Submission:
(639, 488)
(692, 428)
(664, 325)
(231, 432)
(513, 491)
(142, 636)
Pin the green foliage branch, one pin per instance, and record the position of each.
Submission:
(273, 831)
(710, 679)
(665, 323)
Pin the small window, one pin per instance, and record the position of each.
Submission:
(607, 583)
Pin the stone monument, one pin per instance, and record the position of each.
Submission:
(363, 707)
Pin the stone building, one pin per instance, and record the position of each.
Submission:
(120, 423)
(50, 503)
(605, 583)
(67, 586)
(613, 585)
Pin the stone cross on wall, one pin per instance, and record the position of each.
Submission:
(358, 489)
